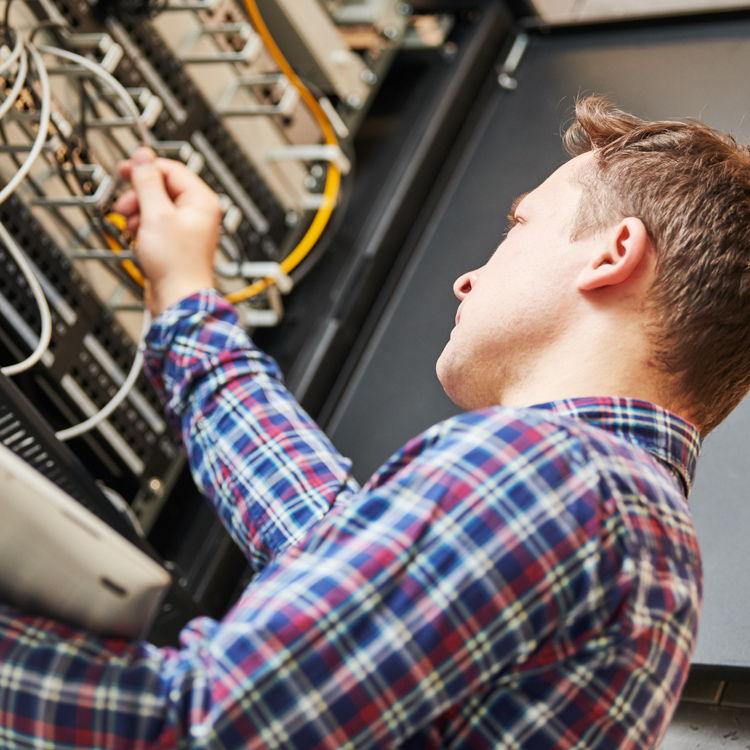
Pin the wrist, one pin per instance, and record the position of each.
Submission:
(161, 296)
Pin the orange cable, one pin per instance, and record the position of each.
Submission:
(132, 270)
(333, 177)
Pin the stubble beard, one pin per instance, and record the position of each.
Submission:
(465, 379)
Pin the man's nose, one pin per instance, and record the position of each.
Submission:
(464, 284)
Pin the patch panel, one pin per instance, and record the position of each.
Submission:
(198, 82)
(148, 62)
(87, 360)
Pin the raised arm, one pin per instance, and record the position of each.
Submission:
(266, 467)
(421, 614)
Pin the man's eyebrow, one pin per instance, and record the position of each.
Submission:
(515, 204)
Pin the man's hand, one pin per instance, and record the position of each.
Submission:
(176, 218)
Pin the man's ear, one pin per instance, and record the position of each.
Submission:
(621, 254)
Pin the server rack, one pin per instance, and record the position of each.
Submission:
(245, 142)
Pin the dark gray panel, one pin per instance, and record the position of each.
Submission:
(721, 510)
(658, 72)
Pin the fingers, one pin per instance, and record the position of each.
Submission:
(126, 204)
(134, 224)
(139, 156)
(148, 184)
(176, 219)
(183, 187)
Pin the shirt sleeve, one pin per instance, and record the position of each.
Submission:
(265, 466)
(398, 607)
(402, 619)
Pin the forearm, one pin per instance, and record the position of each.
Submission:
(328, 646)
(262, 462)
(449, 604)
(393, 614)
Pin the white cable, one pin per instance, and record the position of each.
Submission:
(135, 370)
(23, 69)
(23, 170)
(123, 508)
(119, 397)
(14, 55)
(44, 116)
(41, 300)
(119, 89)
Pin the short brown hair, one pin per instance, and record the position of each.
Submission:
(690, 186)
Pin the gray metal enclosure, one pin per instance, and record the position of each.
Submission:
(662, 71)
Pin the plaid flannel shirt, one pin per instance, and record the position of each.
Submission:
(516, 578)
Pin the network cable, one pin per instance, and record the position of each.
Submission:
(118, 88)
(119, 397)
(19, 54)
(333, 177)
(137, 365)
(119, 222)
(22, 172)
(145, 136)
(14, 55)
(44, 120)
(12, 97)
(46, 318)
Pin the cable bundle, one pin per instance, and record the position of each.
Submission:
(25, 57)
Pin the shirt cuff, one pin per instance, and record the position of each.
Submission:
(192, 337)
(206, 301)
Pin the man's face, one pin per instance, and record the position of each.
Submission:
(516, 306)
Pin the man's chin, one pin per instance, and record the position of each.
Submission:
(449, 376)
(461, 386)
(442, 367)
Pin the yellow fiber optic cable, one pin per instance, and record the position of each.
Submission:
(333, 177)
(132, 270)
(330, 190)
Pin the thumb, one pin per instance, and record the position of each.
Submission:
(148, 183)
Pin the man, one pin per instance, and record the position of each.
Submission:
(524, 575)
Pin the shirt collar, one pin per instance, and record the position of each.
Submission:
(672, 440)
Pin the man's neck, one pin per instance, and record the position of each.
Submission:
(602, 366)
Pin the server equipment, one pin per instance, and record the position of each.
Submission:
(264, 101)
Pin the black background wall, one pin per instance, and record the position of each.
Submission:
(676, 70)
